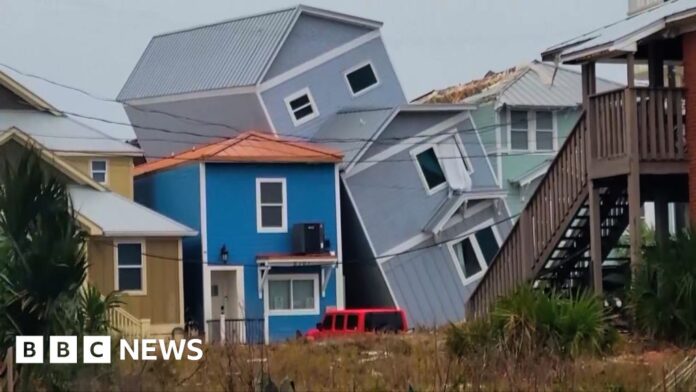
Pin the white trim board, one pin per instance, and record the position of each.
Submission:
(340, 282)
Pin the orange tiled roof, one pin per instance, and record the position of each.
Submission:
(248, 147)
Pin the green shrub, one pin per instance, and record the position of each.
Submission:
(662, 299)
(530, 321)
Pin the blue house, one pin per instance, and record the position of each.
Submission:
(269, 250)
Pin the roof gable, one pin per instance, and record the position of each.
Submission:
(228, 54)
(249, 147)
(26, 95)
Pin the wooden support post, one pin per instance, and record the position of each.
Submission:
(595, 238)
(633, 181)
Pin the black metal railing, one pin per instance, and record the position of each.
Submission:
(237, 331)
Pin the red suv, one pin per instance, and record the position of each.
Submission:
(355, 321)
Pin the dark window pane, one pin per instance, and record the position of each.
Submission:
(129, 254)
(544, 140)
(271, 216)
(431, 168)
(271, 192)
(518, 140)
(467, 258)
(362, 78)
(544, 120)
(519, 120)
(340, 320)
(129, 279)
(299, 102)
(383, 321)
(99, 165)
(352, 322)
(99, 177)
(304, 112)
(327, 322)
(487, 243)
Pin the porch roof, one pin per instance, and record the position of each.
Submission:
(621, 37)
(296, 260)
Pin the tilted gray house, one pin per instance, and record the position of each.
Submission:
(421, 208)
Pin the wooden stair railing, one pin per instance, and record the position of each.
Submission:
(540, 226)
(126, 325)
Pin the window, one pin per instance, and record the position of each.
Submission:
(384, 322)
(293, 294)
(488, 243)
(271, 207)
(519, 130)
(467, 258)
(430, 169)
(544, 131)
(352, 322)
(98, 169)
(361, 79)
(301, 107)
(340, 322)
(130, 267)
(327, 323)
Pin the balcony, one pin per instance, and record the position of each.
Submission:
(650, 133)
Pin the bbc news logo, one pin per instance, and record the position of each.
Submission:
(97, 349)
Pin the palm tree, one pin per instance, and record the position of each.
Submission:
(43, 264)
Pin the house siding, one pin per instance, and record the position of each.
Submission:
(376, 188)
(426, 282)
(162, 303)
(119, 172)
(310, 198)
(302, 44)
(156, 191)
(330, 90)
(161, 134)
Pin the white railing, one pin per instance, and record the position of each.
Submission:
(678, 377)
(127, 325)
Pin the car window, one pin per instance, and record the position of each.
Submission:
(352, 322)
(383, 322)
(340, 322)
(328, 321)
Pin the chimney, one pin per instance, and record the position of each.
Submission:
(636, 6)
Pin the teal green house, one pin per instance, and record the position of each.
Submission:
(523, 116)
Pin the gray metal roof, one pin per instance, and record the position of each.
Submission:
(233, 53)
(118, 216)
(349, 131)
(537, 86)
(625, 32)
(63, 134)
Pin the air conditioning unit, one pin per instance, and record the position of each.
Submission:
(308, 238)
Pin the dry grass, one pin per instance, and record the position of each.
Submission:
(385, 363)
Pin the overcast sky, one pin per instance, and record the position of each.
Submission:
(94, 44)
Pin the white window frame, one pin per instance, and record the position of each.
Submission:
(433, 144)
(292, 312)
(532, 130)
(284, 205)
(414, 156)
(312, 103)
(355, 68)
(471, 236)
(143, 267)
(106, 170)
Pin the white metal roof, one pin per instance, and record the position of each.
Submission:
(121, 217)
(622, 36)
(63, 134)
(232, 53)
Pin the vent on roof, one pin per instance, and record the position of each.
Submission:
(636, 6)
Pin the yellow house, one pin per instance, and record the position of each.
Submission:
(131, 249)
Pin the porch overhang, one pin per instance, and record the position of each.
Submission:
(454, 203)
(327, 261)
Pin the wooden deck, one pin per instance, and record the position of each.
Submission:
(614, 139)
